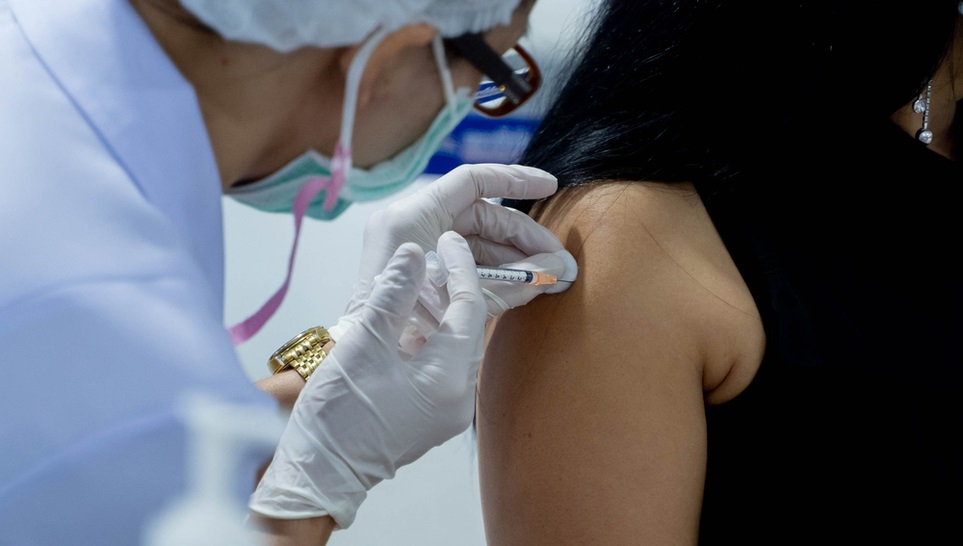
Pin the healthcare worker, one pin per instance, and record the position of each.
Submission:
(122, 124)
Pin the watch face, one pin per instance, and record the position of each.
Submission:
(304, 352)
(276, 365)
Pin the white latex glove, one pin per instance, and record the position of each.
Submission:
(365, 411)
(498, 235)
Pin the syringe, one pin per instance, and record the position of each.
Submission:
(439, 274)
(432, 299)
(515, 275)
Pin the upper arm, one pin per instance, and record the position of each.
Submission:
(591, 422)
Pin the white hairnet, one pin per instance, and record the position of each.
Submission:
(289, 24)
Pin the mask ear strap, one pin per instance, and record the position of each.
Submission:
(353, 83)
(340, 165)
(439, 50)
(341, 161)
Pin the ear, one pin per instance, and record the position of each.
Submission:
(415, 35)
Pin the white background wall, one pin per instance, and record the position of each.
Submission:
(435, 500)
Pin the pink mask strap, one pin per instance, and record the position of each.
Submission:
(243, 330)
(340, 164)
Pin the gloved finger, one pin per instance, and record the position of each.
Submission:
(569, 274)
(394, 294)
(425, 317)
(352, 311)
(506, 226)
(422, 324)
(463, 288)
(464, 321)
(501, 296)
(383, 232)
(464, 185)
(493, 254)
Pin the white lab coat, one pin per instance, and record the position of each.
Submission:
(111, 274)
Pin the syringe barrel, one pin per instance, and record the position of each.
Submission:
(502, 274)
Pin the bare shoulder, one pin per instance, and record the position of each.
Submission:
(600, 391)
(654, 247)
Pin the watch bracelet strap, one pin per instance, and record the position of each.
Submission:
(303, 352)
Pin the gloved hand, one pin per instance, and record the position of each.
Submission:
(498, 235)
(365, 411)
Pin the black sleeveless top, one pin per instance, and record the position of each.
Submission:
(851, 431)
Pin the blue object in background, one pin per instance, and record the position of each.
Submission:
(482, 139)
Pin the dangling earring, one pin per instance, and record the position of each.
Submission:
(922, 106)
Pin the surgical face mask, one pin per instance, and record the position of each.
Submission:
(323, 188)
(277, 192)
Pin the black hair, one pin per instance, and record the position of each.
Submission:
(696, 90)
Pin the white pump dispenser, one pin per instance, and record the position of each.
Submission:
(209, 513)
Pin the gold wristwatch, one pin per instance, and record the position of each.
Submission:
(303, 352)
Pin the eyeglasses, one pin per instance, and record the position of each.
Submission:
(510, 79)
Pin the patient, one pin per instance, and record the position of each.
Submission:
(763, 343)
